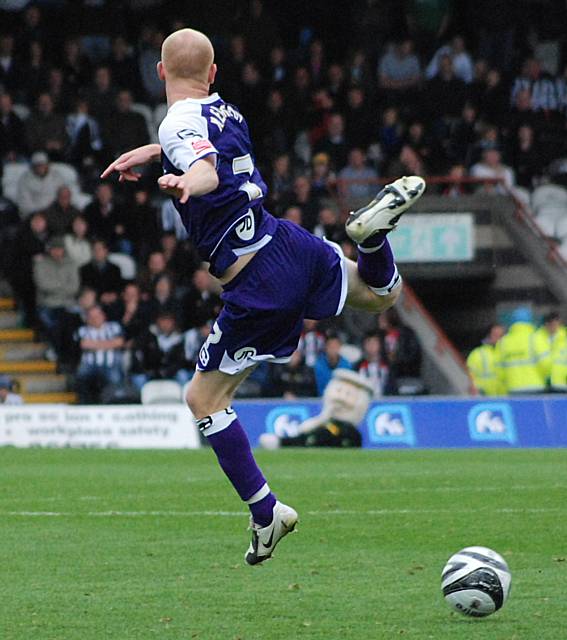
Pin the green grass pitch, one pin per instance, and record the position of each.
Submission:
(117, 544)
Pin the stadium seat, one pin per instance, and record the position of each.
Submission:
(548, 195)
(12, 173)
(22, 111)
(125, 263)
(144, 110)
(161, 392)
(159, 114)
(548, 218)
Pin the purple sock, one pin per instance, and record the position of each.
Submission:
(230, 443)
(376, 265)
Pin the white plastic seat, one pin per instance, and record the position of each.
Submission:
(351, 352)
(22, 111)
(125, 263)
(548, 195)
(12, 173)
(548, 218)
(71, 177)
(161, 392)
(159, 114)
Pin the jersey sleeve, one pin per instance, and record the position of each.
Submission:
(184, 141)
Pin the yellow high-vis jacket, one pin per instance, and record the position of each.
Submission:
(523, 360)
(481, 365)
(558, 381)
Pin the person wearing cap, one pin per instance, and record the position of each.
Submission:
(38, 185)
(57, 284)
(522, 358)
(6, 395)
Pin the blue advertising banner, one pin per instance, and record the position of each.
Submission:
(429, 423)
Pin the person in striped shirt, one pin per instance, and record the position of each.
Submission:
(101, 344)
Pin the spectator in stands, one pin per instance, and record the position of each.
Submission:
(164, 299)
(61, 213)
(180, 258)
(495, 21)
(322, 178)
(357, 180)
(408, 162)
(481, 364)
(446, 94)
(131, 311)
(300, 98)
(278, 69)
(10, 77)
(399, 72)
(7, 396)
(101, 345)
(304, 198)
(45, 129)
(143, 223)
(57, 284)
(166, 346)
(329, 225)
(193, 341)
(462, 60)
(373, 365)
(334, 143)
(540, 86)
(123, 66)
(74, 318)
(156, 267)
(203, 302)
(359, 124)
(428, 20)
(58, 91)
(465, 134)
(124, 128)
(553, 333)
(491, 166)
(522, 358)
(29, 242)
(101, 275)
(312, 342)
(281, 180)
(34, 71)
(149, 56)
(390, 132)
(274, 135)
(493, 100)
(76, 66)
(401, 347)
(12, 136)
(526, 156)
(328, 361)
(77, 245)
(85, 141)
(292, 380)
(38, 186)
(101, 95)
(107, 220)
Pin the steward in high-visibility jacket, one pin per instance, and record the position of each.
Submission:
(558, 379)
(554, 332)
(481, 365)
(522, 359)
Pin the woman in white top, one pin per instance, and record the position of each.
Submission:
(77, 245)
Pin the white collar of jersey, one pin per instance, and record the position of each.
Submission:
(208, 100)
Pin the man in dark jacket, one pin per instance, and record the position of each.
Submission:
(101, 275)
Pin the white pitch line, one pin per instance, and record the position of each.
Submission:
(231, 514)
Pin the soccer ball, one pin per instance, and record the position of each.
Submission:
(476, 581)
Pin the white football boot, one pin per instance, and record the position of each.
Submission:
(265, 539)
(385, 211)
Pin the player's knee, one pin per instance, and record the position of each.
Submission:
(196, 402)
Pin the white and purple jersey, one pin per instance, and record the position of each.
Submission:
(230, 221)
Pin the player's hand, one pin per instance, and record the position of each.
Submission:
(125, 163)
(175, 186)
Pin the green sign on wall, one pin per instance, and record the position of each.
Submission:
(434, 237)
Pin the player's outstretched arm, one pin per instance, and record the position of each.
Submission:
(200, 179)
(125, 163)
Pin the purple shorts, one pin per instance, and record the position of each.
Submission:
(295, 276)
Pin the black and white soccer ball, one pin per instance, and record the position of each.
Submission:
(476, 581)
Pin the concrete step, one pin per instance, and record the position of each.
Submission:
(61, 397)
(16, 335)
(9, 320)
(7, 304)
(17, 351)
(30, 366)
(41, 384)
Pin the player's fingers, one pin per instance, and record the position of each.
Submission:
(184, 194)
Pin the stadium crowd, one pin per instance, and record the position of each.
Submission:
(335, 102)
